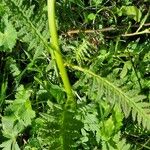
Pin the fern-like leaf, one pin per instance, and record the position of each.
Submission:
(60, 129)
(18, 115)
(33, 30)
(82, 51)
(129, 103)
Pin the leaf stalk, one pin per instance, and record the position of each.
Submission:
(57, 52)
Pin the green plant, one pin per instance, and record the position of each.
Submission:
(17, 117)
(89, 88)
(57, 52)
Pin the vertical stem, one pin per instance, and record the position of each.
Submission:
(57, 52)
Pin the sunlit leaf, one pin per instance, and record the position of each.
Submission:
(132, 11)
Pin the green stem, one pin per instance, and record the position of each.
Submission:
(57, 52)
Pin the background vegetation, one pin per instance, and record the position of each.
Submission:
(105, 49)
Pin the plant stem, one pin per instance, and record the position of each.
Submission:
(107, 29)
(57, 52)
(137, 33)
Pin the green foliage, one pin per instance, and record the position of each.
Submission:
(3, 92)
(56, 129)
(108, 70)
(8, 37)
(17, 116)
(132, 11)
(140, 110)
